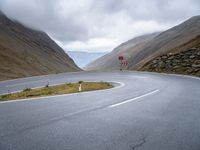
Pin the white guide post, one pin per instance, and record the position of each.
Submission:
(80, 88)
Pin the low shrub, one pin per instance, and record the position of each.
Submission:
(27, 90)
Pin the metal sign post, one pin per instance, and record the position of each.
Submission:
(121, 58)
(123, 62)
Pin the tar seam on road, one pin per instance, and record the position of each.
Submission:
(139, 144)
(130, 100)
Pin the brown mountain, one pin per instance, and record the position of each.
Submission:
(176, 39)
(26, 52)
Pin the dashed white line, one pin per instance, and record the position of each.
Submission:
(130, 100)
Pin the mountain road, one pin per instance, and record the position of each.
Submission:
(144, 111)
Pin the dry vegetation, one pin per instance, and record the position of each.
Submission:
(55, 90)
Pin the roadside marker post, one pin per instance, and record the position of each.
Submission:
(80, 86)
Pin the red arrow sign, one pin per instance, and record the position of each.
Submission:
(125, 63)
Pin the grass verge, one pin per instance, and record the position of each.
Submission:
(56, 90)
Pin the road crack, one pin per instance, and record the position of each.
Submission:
(141, 143)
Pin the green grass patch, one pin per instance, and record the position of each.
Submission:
(56, 90)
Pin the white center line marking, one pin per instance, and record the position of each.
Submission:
(130, 100)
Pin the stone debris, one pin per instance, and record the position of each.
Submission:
(186, 62)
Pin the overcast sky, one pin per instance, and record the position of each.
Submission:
(99, 25)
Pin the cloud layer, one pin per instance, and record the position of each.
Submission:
(92, 25)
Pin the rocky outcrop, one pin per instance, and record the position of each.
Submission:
(185, 62)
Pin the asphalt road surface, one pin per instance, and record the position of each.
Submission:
(143, 112)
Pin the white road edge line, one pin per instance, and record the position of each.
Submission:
(130, 100)
(37, 87)
(45, 97)
(165, 74)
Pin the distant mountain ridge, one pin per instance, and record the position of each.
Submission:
(26, 52)
(127, 49)
(83, 58)
(176, 39)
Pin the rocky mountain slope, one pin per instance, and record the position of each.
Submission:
(186, 62)
(176, 39)
(26, 52)
(128, 49)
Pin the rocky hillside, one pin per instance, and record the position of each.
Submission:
(176, 39)
(186, 62)
(26, 52)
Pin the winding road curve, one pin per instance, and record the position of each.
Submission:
(143, 112)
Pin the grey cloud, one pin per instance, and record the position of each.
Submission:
(44, 15)
(158, 10)
(82, 20)
(110, 6)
